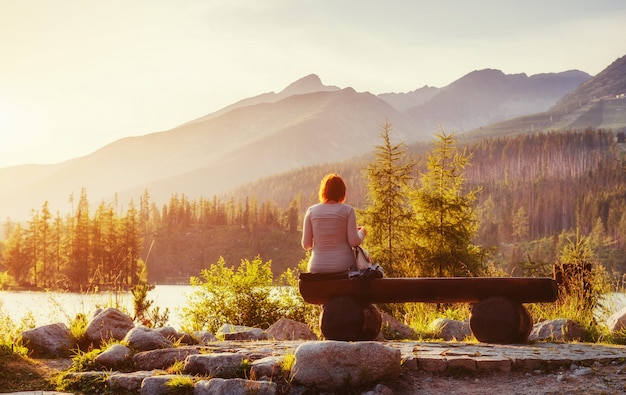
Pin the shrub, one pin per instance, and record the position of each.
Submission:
(245, 296)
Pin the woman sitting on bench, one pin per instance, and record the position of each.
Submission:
(330, 229)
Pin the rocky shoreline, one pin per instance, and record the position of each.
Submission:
(287, 358)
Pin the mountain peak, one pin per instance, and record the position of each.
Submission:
(310, 83)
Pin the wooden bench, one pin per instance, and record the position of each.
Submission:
(498, 314)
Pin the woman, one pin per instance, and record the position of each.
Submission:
(330, 229)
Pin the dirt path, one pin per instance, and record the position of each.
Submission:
(597, 379)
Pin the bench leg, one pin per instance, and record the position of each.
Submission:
(346, 318)
(500, 320)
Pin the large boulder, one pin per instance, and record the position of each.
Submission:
(336, 365)
(286, 329)
(450, 330)
(52, 341)
(163, 358)
(561, 329)
(108, 324)
(204, 337)
(392, 329)
(114, 357)
(175, 336)
(128, 383)
(141, 338)
(224, 365)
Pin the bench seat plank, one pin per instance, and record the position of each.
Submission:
(318, 289)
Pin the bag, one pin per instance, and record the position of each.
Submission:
(365, 267)
(361, 258)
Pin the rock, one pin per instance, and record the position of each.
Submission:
(561, 329)
(204, 337)
(240, 332)
(108, 324)
(393, 329)
(114, 357)
(336, 365)
(617, 321)
(271, 366)
(286, 329)
(143, 339)
(155, 385)
(225, 365)
(219, 386)
(450, 330)
(120, 383)
(163, 358)
(174, 336)
(52, 340)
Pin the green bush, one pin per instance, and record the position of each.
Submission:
(245, 296)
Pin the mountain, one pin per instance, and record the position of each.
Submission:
(305, 124)
(404, 101)
(598, 103)
(486, 96)
(309, 84)
(212, 155)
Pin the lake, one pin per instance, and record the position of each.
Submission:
(53, 307)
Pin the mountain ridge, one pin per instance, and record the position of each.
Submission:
(306, 123)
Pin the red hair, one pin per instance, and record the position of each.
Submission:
(332, 187)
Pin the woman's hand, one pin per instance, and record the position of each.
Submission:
(362, 232)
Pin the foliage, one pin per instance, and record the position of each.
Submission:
(180, 385)
(5, 280)
(78, 328)
(10, 335)
(244, 296)
(287, 362)
(145, 314)
(583, 282)
(84, 361)
(388, 215)
(445, 219)
(87, 384)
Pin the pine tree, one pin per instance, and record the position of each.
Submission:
(388, 213)
(445, 219)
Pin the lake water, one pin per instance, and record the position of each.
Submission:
(53, 307)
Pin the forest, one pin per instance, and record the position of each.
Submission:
(535, 190)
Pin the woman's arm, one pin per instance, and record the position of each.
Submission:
(307, 232)
(354, 238)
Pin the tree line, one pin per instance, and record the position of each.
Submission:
(109, 248)
(530, 192)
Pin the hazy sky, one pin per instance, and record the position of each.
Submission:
(76, 75)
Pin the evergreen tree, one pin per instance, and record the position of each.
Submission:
(445, 219)
(80, 256)
(388, 213)
(16, 254)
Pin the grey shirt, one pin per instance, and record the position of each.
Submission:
(330, 230)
